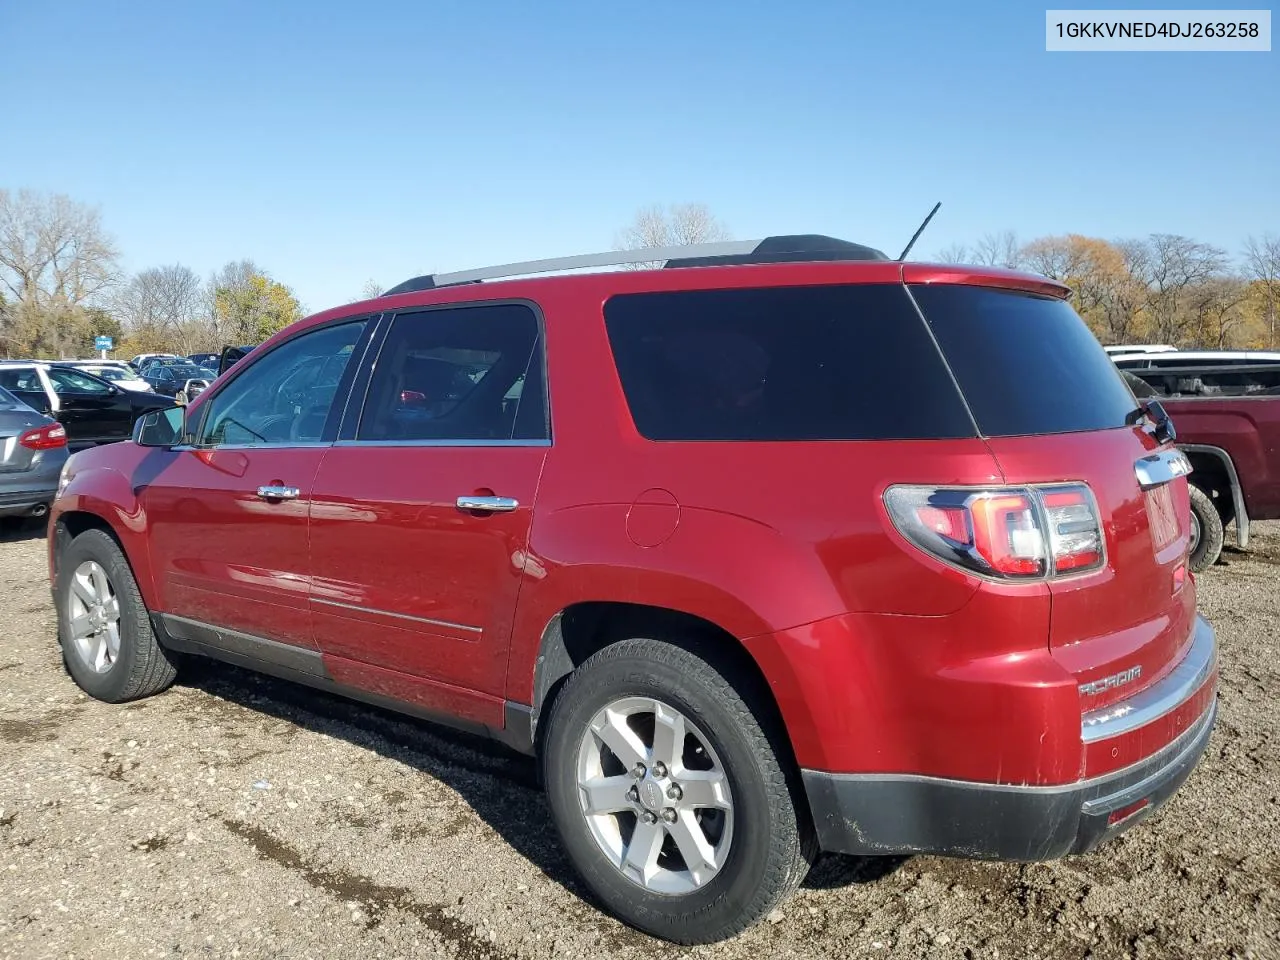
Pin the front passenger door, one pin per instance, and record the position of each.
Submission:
(228, 514)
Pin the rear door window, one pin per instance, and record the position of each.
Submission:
(470, 373)
(1027, 364)
(847, 362)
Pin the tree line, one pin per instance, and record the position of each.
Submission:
(1164, 288)
(62, 285)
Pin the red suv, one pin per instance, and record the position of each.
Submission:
(782, 547)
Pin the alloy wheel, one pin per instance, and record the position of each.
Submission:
(655, 795)
(93, 617)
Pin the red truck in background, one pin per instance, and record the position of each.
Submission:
(1227, 417)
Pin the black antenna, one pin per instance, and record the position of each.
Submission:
(916, 236)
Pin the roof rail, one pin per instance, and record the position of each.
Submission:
(782, 249)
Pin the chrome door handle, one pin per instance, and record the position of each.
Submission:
(488, 504)
(272, 492)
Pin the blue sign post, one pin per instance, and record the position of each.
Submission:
(104, 344)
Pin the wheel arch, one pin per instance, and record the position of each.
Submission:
(1208, 460)
(583, 628)
(104, 499)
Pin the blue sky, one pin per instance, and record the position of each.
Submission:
(337, 142)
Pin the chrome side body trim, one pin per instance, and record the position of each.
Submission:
(442, 443)
(398, 616)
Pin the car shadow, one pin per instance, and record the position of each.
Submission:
(22, 529)
(500, 785)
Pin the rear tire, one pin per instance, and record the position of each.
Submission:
(759, 843)
(1207, 534)
(108, 643)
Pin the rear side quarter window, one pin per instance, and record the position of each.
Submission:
(832, 362)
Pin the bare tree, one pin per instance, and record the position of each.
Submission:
(53, 250)
(56, 261)
(675, 226)
(1172, 268)
(371, 290)
(956, 253)
(999, 250)
(1262, 265)
(1216, 306)
(167, 302)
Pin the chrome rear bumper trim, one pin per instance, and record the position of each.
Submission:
(1161, 698)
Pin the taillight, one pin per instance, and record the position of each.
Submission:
(1075, 538)
(1014, 533)
(44, 438)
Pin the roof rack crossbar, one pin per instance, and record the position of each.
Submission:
(766, 250)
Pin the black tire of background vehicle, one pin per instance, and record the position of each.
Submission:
(1209, 548)
(143, 667)
(773, 842)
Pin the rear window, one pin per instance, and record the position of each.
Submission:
(1026, 364)
(848, 362)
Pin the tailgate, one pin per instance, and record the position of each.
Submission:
(1053, 408)
(1125, 626)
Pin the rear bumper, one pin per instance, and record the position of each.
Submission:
(22, 502)
(871, 814)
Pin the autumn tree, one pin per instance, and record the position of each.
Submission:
(56, 262)
(249, 306)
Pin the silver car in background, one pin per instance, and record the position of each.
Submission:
(33, 449)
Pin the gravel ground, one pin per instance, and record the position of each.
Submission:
(240, 816)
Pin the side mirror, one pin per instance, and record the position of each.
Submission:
(160, 428)
(1164, 431)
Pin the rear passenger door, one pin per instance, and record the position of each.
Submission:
(421, 511)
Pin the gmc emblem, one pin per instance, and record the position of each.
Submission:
(1095, 687)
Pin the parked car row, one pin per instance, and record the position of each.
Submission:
(91, 409)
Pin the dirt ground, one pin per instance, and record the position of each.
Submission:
(238, 816)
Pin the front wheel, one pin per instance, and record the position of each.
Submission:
(1206, 531)
(108, 643)
(670, 795)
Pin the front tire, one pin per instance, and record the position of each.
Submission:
(108, 643)
(671, 795)
(1206, 531)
